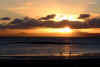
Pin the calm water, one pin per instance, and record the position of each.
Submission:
(49, 46)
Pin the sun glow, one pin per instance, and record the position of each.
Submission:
(66, 29)
(55, 30)
(59, 30)
(61, 17)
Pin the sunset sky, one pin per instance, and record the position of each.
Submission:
(38, 8)
(69, 10)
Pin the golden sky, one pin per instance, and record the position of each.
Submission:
(37, 8)
(40, 8)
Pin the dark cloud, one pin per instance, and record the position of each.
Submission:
(23, 24)
(50, 24)
(95, 22)
(5, 18)
(16, 21)
(47, 17)
(83, 16)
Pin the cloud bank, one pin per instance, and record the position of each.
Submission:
(27, 23)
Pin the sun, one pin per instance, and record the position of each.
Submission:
(70, 17)
(55, 30)
(66, 29)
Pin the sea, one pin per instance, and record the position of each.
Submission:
(78, 47)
